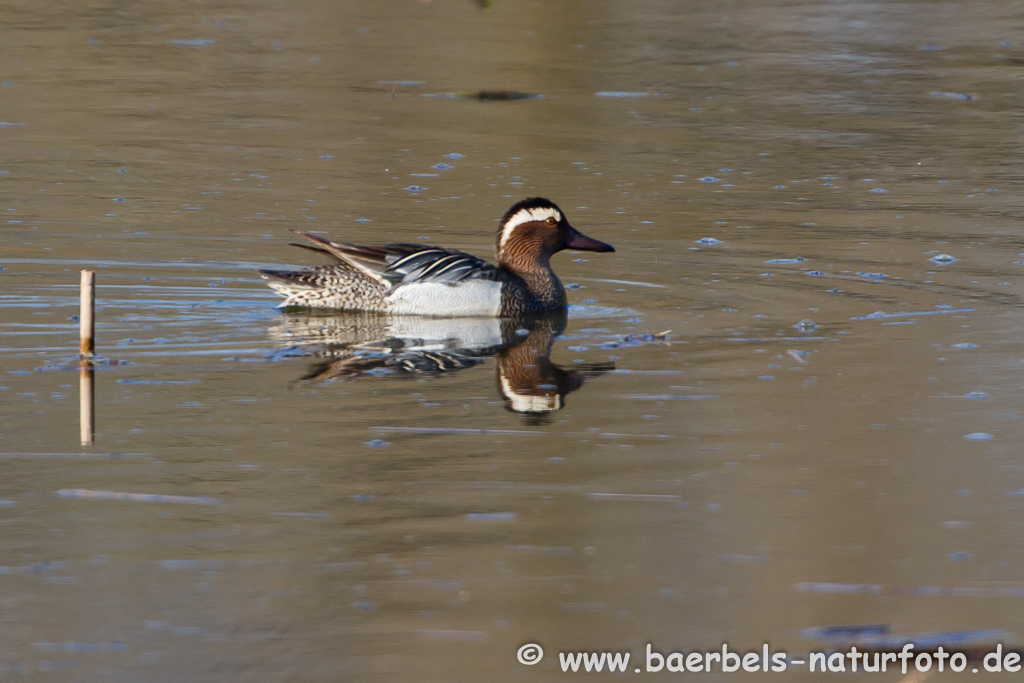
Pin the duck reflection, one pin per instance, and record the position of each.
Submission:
(358, 344)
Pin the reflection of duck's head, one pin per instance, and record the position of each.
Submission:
(527, 379)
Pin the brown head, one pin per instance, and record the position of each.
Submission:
(535, 229)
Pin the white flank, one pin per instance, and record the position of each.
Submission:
(467, 298)
(527, 403)
(526, 216)
(446, 333)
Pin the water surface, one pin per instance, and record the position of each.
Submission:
(827, 436)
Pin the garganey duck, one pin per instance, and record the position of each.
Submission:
(415, 279)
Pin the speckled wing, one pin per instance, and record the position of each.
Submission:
(395, 265)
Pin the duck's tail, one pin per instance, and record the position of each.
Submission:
(294, 285)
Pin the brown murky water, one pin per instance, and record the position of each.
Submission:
(830, 435)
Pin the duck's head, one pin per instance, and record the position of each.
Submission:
(535, 229)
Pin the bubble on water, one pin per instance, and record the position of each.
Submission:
(877, 190)
(443, 166)
(806, 325)
(377, 443)
(872, 276)
(976, 395)
(965, 345)
(978, 436)
(815, 273)
(708, 241)
(414, 188)
(943, 259)
(960, 557)
(709, 179)
(192, 42)
(453, 155)
(785, 261)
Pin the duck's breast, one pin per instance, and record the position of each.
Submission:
(466, 298)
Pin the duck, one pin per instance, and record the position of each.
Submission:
(417, 279)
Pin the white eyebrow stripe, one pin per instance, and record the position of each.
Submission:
(527, 216)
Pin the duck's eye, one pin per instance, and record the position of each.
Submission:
(551, 221)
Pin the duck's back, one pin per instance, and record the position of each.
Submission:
(394, 278)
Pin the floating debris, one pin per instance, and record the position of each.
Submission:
(456, 430)
(663, 497)
(452, 634)
(156, 381)
(978, 436)
(785, 261)
(872, 276)
(925, 591)
(620, 93)
(92, 494)
(192, 42)
(952, 95)
(487, 95)
(491, 517)
(71, 646)
(737, 558)
(976, 395)
(881, 315)
(74, 456)
(879, 637)
(302, 515)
